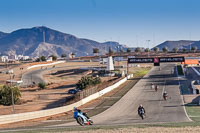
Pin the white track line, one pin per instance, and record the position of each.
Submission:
(182, 97)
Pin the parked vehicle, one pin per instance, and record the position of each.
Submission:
(72, 91)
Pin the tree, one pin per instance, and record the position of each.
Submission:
(121, 51)
(138, 49)
(43, 58)
(184, 49)
(63, 55)
(87, 81)
(175, 50)
(156, 49)
(165, 49)
(128, 50)
(6, 94)
(37, 60)
(194, 49)
(95, 50)
(42, 85)
(147, 50)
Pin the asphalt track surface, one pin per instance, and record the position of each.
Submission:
(157, 110)
(35, 76)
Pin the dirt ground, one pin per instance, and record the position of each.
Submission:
(61, 80)
(143, 130)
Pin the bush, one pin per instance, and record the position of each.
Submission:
(43, 58)
(42, 85)
(88, 81)
(6, 94)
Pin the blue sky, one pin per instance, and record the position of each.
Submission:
(130, 22)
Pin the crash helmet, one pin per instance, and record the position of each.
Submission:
(75, 108)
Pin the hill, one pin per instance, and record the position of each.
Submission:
(178, 44)
(38, 41)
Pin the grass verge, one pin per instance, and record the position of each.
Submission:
(193, 112)
(180, 70)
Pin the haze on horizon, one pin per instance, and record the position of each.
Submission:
(129, 22)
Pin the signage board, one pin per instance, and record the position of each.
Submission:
(171, 59)
(140, 60)
(156, 60)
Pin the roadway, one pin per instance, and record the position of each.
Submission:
(157, 110)
(36, 76)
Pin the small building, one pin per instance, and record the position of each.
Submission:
(50, 59)
(3, 58)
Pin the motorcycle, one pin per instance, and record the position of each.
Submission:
(156, 88)
(165, 97)
(82, 118)
(141, 113)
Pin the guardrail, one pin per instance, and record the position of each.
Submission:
(5, 119)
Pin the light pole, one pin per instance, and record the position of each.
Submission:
(148, 46)
(117, 54)
(12, 94)
(190, 47)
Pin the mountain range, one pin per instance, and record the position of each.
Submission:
(39, 41)
(187, 44)
(43, 41)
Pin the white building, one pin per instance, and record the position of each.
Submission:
(22, 57)
(3, 58)
(50, 59)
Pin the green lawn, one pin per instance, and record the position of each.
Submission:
(180, 70)
(141, 72)
(193, 112)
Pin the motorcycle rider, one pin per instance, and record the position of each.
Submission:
(165, 95)
(78, 110)
(156, 87)
(152, 86)
(141, 109)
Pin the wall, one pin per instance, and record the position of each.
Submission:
(40, 65)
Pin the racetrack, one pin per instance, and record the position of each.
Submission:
(157, 110)
(36, 76)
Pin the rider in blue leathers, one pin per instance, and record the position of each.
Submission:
(76, 111)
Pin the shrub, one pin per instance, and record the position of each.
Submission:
(42, 85)
(88, 81)
(6, 94)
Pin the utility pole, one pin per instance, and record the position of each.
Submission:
(13, 108)
(148, 46)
